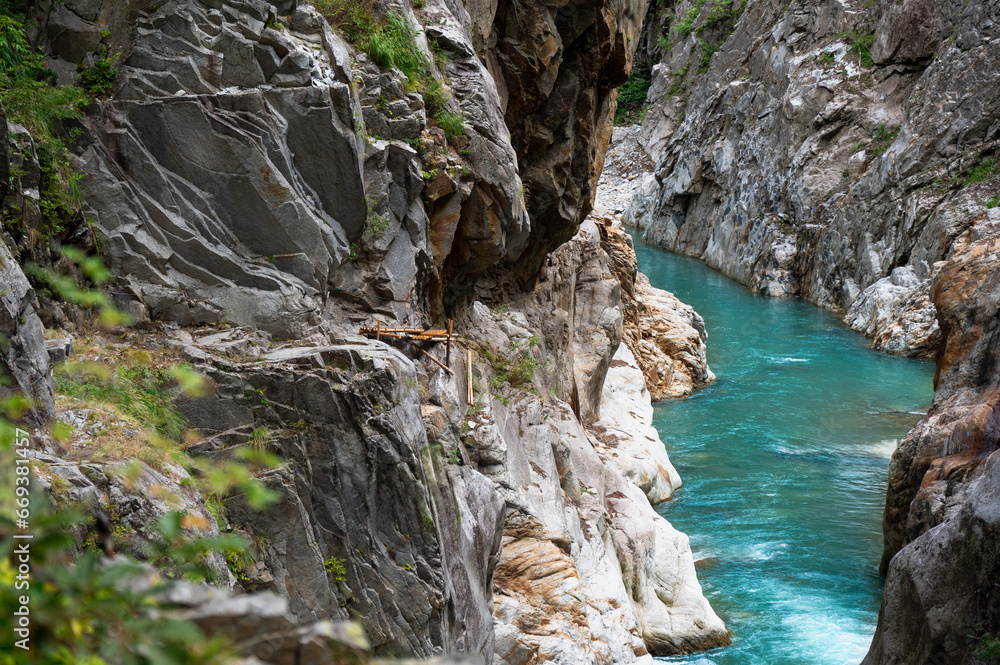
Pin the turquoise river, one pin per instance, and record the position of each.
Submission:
(784, 461)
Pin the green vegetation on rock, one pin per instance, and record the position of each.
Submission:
(982, 171)
(987, 646)
(632, 98)
(391, 42)
(99, 79)
(337, 568)
(31, 99)
(882, 138)
(685, 26)
(860, 43)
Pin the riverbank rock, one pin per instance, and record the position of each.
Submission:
(940, 521)
(898, 314)
(934, 464)
(941, 595)
(588, 571)
(666, 337)
(625, 431)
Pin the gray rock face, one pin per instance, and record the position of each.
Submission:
(558, 66)
(256, 166)
(941, 589)
(796, 168)
(24, 359)
(133, 502)
(207, 175)
(577, 307)
(417, 537)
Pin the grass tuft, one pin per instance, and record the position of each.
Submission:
(139, 388)
(882, 138)
(452, 123)
(982, 171)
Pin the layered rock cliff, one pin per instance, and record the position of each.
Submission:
(845, 153)
(261, 186)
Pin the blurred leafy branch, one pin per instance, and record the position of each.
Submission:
(86, 608)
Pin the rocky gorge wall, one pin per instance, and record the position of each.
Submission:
(845, 153)
(819, 151)
(261, 187)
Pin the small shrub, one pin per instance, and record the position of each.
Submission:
(375, 224)
(723, 13)
(632, 97)
(99, 79)
(993, 203)
(825, 59)
(260, 437)
(987, 646)
(860, 44)
(686, 25)
(30, 100)
(708, 50)
(678, 85)
(518, 370)
(238, 561)
(390, 42)
(336, 568)
(14, 48)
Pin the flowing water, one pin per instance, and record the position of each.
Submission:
(784, 461)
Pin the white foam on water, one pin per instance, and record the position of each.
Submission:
(839, 640)
(884, 448)
(767, 551)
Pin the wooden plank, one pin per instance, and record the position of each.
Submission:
(408, 331)
(436, 361)
(447, 353)
(469, 397)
